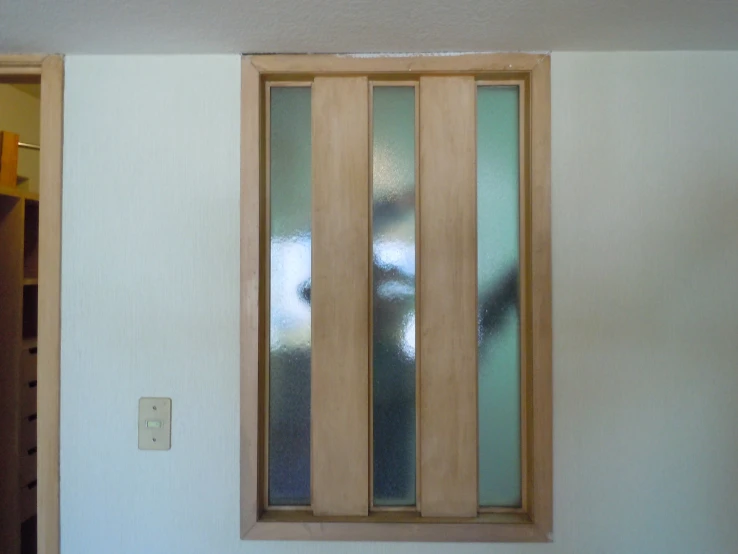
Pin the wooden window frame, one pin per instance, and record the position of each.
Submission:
(48, 70)
(534, 521)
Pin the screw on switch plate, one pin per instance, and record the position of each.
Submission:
(154, 423)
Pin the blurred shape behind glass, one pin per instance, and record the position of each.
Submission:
(393, 273)
(289, 331)
(499, 322)
(394, 296)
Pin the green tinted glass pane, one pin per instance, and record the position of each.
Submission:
(499, 320)
(393, 274)
(289, 308)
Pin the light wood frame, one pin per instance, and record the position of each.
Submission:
(534, 521)
(49, 71)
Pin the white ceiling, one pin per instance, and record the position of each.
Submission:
(220, 26)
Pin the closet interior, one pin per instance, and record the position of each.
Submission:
(19, 276)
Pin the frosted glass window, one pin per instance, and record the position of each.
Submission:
(289, 306)
(498, 277)
(393, 273)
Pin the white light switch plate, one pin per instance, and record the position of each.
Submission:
(154, 423)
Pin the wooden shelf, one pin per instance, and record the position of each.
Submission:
(28, 281)
(29, 343)
(19, 193)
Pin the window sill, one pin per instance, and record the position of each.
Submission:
(397, 527)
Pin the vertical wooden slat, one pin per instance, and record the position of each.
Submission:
(265, 287)
(340, 297)
(524, 284)
(370, 315)
(250, 288)
(448, 297)
(49, 302)
(540, 397)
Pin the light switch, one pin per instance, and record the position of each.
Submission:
(154, 423)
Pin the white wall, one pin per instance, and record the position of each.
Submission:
(645, 243)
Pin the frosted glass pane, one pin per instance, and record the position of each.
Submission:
(499, 321)
(289, 309)
(393, 270)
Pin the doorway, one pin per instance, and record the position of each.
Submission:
(31, 96)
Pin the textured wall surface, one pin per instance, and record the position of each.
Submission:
(645, 307)
(235, 26)
(150, 295)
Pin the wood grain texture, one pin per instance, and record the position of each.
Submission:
(265, 290)
(448, 297)
(21, 64)
(250, 277)
(370, 314)
(327, 64)
(524, 284)
(534, 524)
(8, 159)
(340, 297)
(398, 515)
(11, 305)
(49, 303)
(540, 392)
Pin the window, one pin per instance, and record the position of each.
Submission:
(396, 298)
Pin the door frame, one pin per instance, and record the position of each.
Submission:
(48, 70)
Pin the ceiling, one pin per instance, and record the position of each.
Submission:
(221, 26)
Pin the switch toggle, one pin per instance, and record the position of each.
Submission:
(154, 423)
